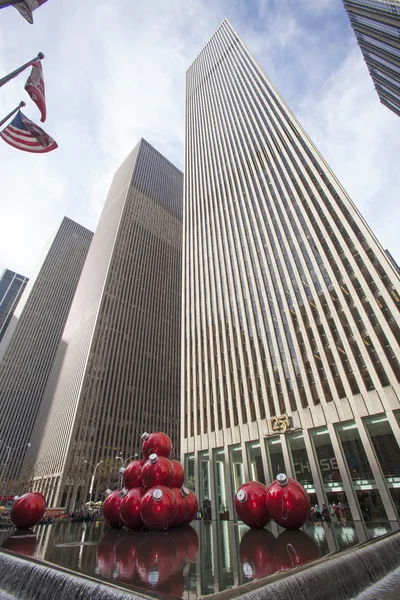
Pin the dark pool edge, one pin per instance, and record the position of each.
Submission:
(19, 561)
(348, 572)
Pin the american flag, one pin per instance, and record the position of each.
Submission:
(23, 134)
(35, 88)
(27, 6)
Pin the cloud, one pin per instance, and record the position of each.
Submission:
(115, 72)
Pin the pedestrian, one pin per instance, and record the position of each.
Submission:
(332, 511)
(325, 513)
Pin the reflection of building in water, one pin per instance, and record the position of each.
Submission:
(290, 330)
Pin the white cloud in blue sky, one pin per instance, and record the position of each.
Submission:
(115, 71)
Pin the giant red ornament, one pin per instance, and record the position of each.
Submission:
(133, 474)
(256, 553)
(158, 470)
(294, 548)
(250, 504)
(156, 443)
(129, 510)
(159, 507)
(288, 502)
(28, 510)
(111, 509)
(179, 474)
(182, 504)
(192, 506)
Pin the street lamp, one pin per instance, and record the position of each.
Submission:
(8, 456)
(92, 481)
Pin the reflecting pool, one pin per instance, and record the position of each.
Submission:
(203, 558)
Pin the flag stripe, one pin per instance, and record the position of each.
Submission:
(36, 148)
(25, 135)
(19, 139)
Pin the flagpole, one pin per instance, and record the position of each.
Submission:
(20, 105)
(13, 74)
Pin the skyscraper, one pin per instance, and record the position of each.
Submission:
(11, 287)
(376, 24)
(29, 355)
(290, 338)
(120, 374)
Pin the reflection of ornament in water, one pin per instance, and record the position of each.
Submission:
(28, 510)
(133, 474)
(294, 548)
(250, 504)
(256, 552)
(111, 509)
(288, 502)
(105, 553)
(158, 443)
(156, 558)
(158, 508)
(129, 509)
(186, 543)
(21, 542)
(126, 554)
(158, 470)
(179, 474)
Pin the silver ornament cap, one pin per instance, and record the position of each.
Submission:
(157, 495)
(282, 479)
(153, 458)
(241, 496)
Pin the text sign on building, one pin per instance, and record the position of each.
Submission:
(280, 424)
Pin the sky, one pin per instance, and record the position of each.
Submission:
(115, 72)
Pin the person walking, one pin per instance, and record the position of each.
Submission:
(332, 511)
(325, 513)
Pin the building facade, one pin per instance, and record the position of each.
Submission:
(376, 24)
(290, 344)
(29, 355)
(11, 287)
(120, 373)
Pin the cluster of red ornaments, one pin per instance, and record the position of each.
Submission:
(28, 510)
(153, 495)
(285, 501)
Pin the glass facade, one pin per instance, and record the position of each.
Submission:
(290, 322)
(376, 25)
(11, 287)
(220, 482)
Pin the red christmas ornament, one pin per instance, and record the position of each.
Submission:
(129, 510)
(250, 504)
(179, 474)
(192, 506)
(183, 506)
(21, 542)
(294, 548)
(156, 443)
(133, 474)
(158, 470)
(159, 507)
(156, 559)
(288, 502)
(256, 552)
(111, 509)
(105, 553)
(126, 553)
(28, 510)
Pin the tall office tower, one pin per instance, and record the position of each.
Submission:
(291, 306)
(11, 287)
(29, 355)
(120, 375)
(376, 24)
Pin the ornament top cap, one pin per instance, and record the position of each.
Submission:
(123, 492)
(153, 458)
(184, 491)
(282, 479)
(145, 435)
(241, 496)
(108, 491)
(157, 495)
